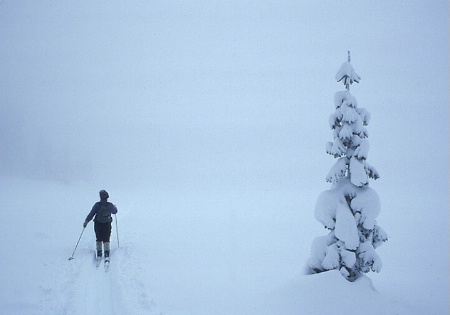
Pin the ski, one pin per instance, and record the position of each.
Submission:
(98, 260)
(106, 264)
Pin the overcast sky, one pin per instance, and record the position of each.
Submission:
(185, 93)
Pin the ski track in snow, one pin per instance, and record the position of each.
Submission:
(90, 290)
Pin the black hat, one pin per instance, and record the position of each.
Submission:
(103, 194)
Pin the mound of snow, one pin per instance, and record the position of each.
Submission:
(329, 293)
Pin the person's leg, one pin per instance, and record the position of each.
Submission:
(107, 248)
(99, 248)
(98, 242)
(106, 243)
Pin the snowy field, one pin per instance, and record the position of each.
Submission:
(203, 252)
(207, 123)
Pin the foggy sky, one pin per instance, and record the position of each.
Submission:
(204, 93)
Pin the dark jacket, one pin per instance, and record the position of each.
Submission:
(96, 208)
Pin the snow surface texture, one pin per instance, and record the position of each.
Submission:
(350, 208)
(201, 259)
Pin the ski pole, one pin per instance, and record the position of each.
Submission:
(117, 231)
(70, 258)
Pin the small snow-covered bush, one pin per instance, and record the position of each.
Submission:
(349, 209)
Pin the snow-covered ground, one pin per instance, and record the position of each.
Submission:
(205, 252)
(206, 121)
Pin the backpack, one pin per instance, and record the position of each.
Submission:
(103, 214)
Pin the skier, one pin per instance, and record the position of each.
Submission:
(102, 223)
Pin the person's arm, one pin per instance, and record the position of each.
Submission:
(113, 209)
(90, 215)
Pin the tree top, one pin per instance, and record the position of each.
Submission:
(347, 74)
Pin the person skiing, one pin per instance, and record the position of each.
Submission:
(102, 211)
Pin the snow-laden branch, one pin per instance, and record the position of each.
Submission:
(337, 171)
(336, 148)
(345, 228)
(347, 74)
(371, 171)
(358, 175)
(364, 114)
(362, 151)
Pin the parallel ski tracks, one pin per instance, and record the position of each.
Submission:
(94, 291)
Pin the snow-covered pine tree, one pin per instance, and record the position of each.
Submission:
(350, 207)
